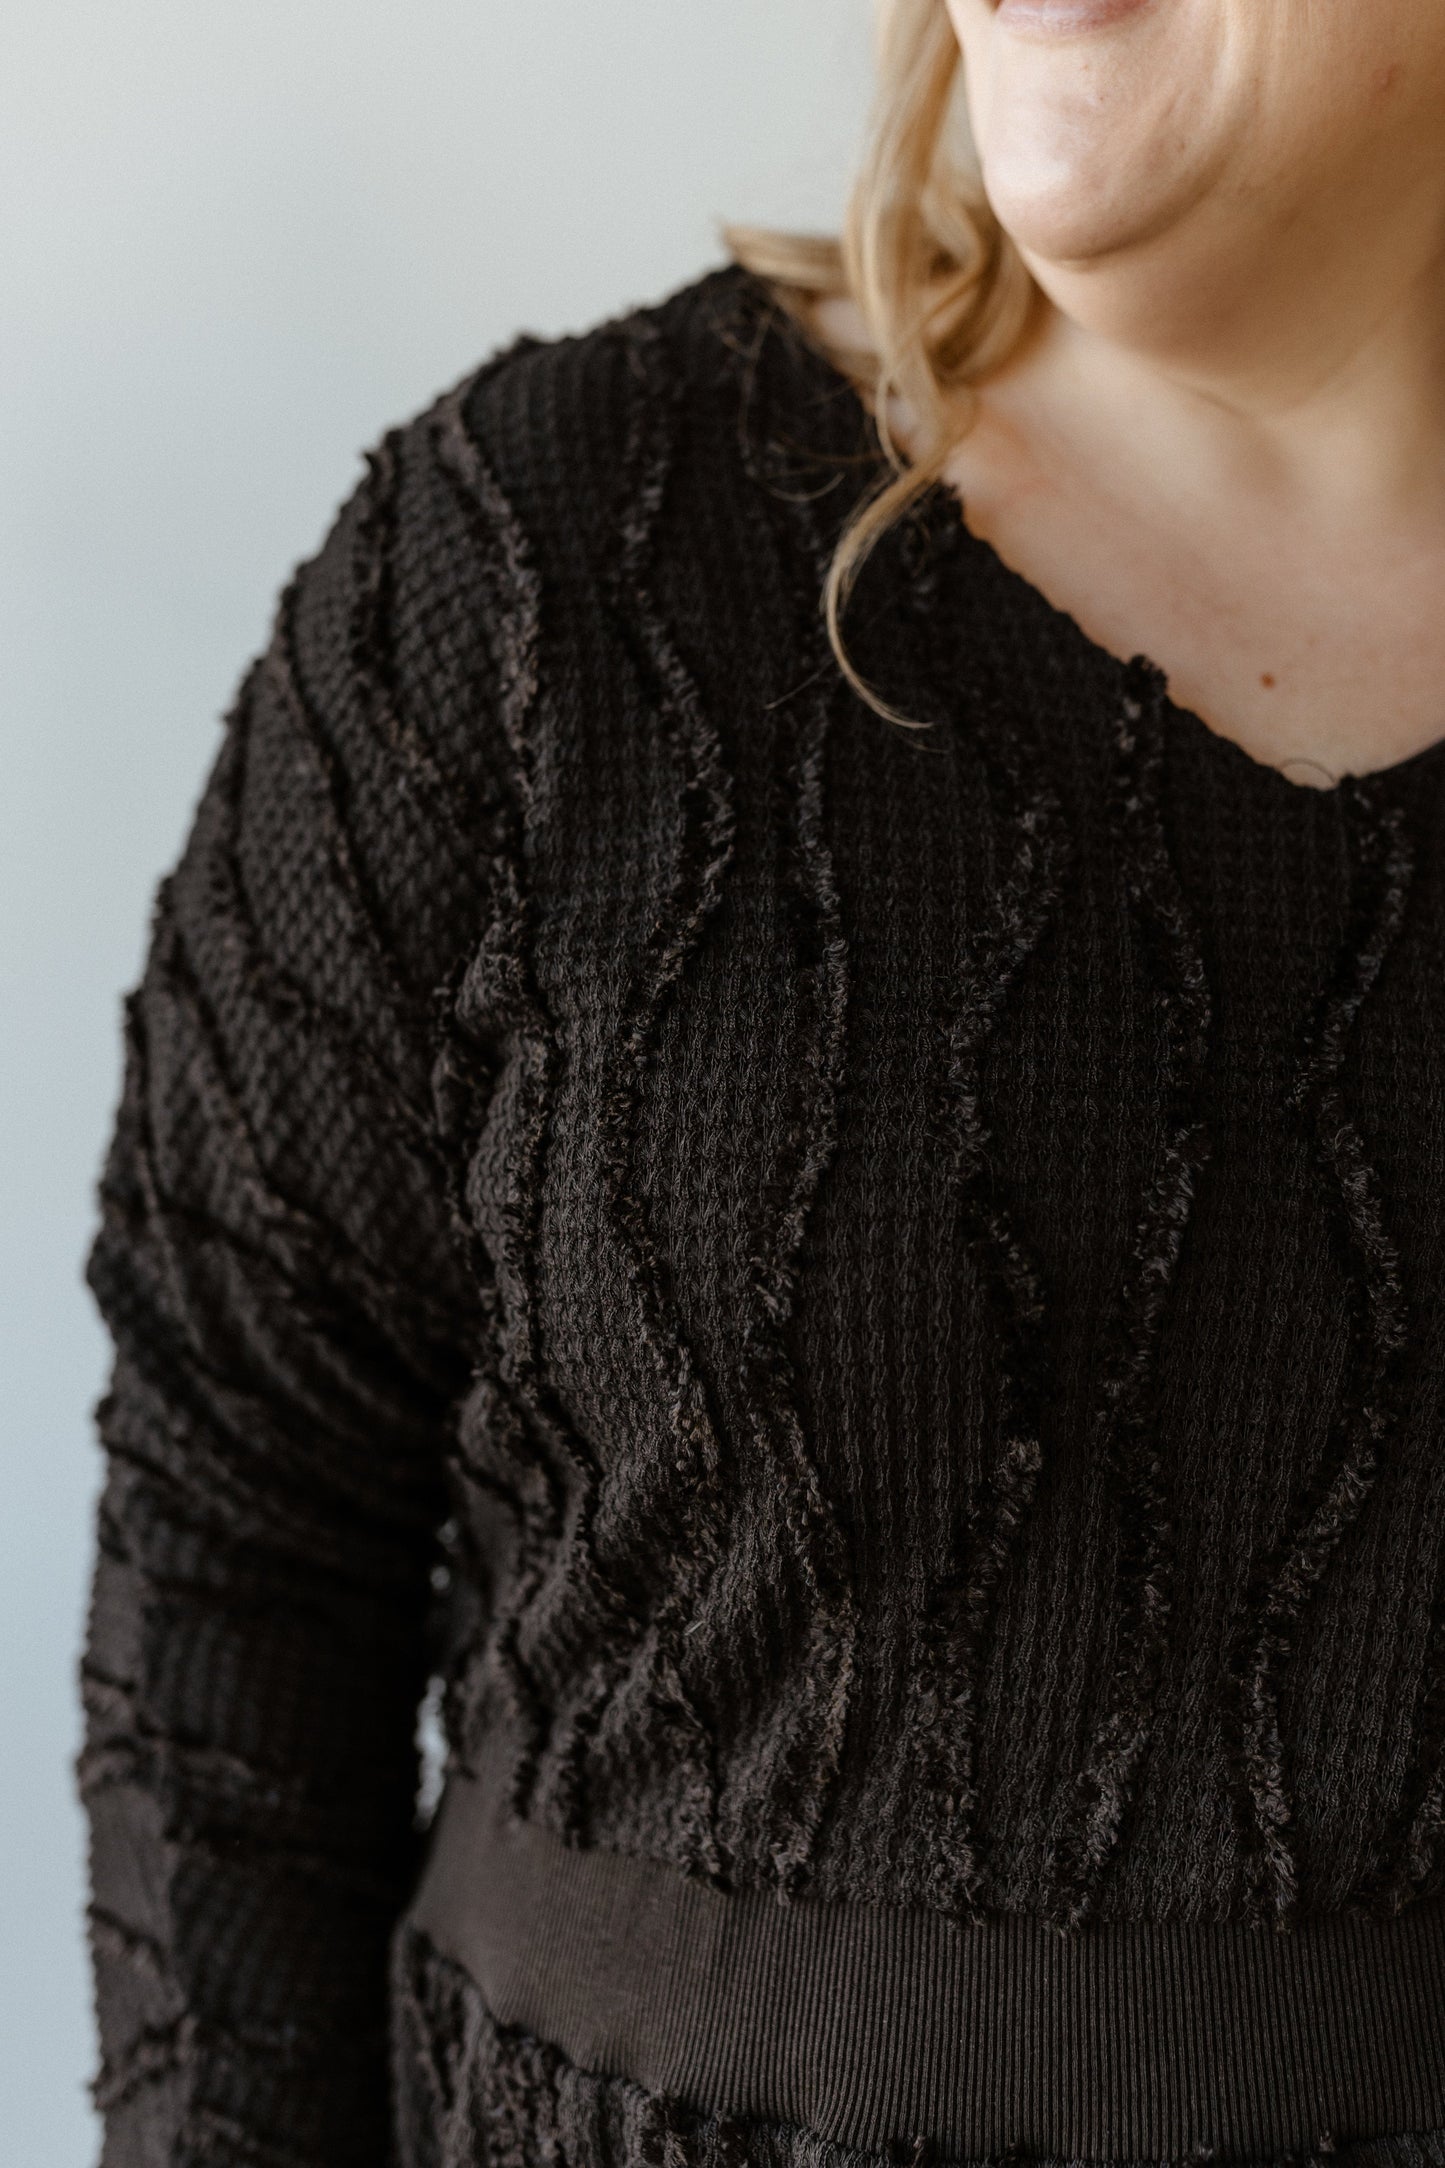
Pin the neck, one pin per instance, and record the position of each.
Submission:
(1308, 372)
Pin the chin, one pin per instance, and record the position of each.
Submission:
(1056, 220)
(1090, 146)
(1067, 211)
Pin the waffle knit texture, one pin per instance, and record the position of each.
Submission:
(878, 1296)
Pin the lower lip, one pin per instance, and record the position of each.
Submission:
(1066, 18)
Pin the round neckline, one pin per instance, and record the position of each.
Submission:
(947, 509)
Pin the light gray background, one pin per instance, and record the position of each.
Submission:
(238, 238)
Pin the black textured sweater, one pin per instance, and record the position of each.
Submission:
(872, 1302)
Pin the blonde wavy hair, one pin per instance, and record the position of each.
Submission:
(944, 295)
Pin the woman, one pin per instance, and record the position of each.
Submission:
(867, 1293)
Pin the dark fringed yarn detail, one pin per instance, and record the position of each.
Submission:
(677, 1481)
(680, 1475)
(500, 1005)
(814, 1714)
(281, 675)
(1408, 1862)
(809, 1719)
(165, 2052)
(488, 1461)
(112, 1937)
(371, 1059)
(284, 1231)
(1283, 1585)
(827, 1668)
(152, 2057)
(1093, 1816)
(958, 1606)
(413, 767)
(498, 1035)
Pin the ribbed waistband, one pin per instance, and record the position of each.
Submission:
(875, 2025)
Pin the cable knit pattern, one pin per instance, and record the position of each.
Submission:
(875, 1300)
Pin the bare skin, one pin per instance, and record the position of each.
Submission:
(1225, 445)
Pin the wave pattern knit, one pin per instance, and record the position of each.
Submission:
(879, 1297)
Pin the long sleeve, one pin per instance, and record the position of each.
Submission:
(294, 1317)
(871, 1300)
